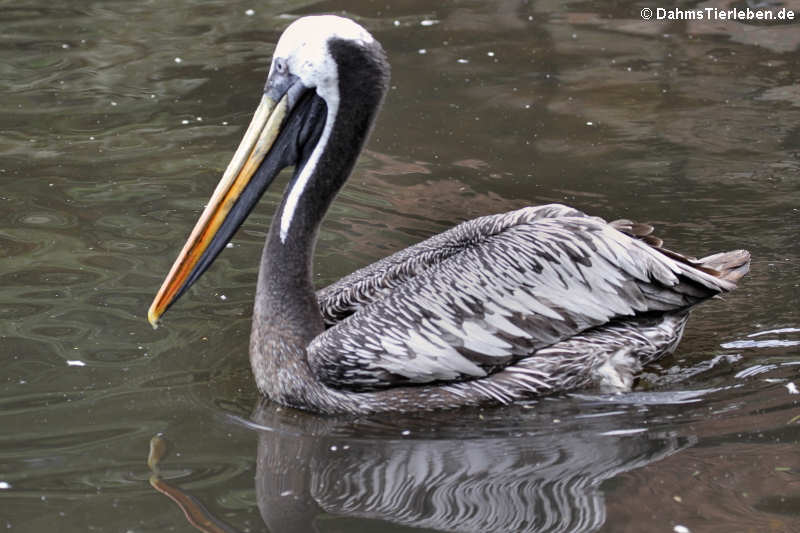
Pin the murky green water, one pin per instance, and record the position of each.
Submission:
(117, 119)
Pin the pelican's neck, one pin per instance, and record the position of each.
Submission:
(286, 316)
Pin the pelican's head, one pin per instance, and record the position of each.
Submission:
(324, 68)
(303, 60)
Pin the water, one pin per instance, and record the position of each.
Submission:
(118, 118)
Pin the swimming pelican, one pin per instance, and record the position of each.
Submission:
(499, 308)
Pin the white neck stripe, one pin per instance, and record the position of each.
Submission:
(308, 169)
(304, 46)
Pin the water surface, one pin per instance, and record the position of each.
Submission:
(116, 121)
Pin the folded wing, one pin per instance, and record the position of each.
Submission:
(490, 292)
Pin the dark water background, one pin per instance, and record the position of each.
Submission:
(110, 146)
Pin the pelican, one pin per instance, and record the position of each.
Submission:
(497, 309)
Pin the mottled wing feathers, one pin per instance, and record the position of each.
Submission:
(607, 357)
(524, 284)
(342, 298)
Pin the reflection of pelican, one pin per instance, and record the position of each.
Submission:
(445, 474)
(498, 308)
(519, 473)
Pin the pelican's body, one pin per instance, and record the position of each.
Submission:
(499, 308)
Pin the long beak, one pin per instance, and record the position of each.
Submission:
(194, 257)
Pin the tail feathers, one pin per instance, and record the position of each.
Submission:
(730, 266)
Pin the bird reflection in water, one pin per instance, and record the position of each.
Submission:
(195, 512)
(512, 473)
